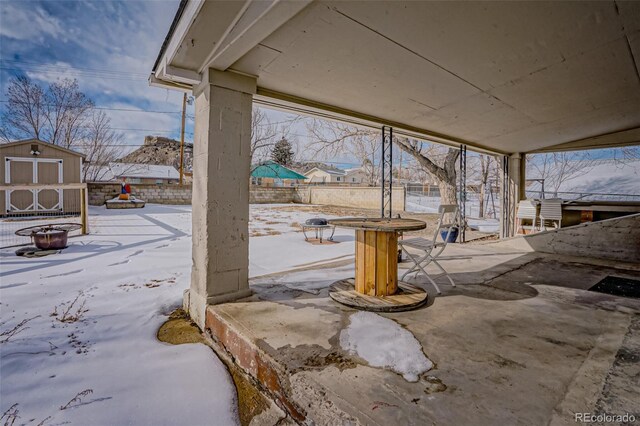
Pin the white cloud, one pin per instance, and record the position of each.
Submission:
(29, 23)
(116, 44)
(142, 120)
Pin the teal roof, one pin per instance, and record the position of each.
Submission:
(274, 170)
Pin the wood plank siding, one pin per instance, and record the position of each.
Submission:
(47, 162)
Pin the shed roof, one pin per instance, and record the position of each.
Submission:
(47, 144)
(274, 170)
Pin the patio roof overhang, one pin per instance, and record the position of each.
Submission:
(501, 77)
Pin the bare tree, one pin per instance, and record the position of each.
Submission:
(414, 172)
(101, 146)
(330, 139)
(25, 114)
(627, 153)
(61, 115)
(57, 114)
(556, 168)
(66, 111)
(366, 147)
(263, 135)
(439, 161)
(487, 163)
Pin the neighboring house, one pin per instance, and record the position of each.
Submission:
(135, 173)
(270, 173)
(33, 161)
(356, 176)
(320, 175)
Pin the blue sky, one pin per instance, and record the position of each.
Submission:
(108, 46)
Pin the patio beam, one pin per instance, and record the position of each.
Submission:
(255, 22)
(290, 103)
(221, 168)
(512, 191)
(621, 138)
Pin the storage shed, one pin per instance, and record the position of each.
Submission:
(33, 161)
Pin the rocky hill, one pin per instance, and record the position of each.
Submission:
(160, 150)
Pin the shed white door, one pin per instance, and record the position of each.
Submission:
(33, 170)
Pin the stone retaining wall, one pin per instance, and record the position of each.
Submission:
(151, 193)
(265, 195)
(355, 196)
(343, 196)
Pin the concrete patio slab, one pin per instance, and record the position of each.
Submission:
(518, 341)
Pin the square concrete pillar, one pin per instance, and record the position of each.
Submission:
(512, 191)
(221, 168)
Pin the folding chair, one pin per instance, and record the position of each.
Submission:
(527, 209)
(431, 249)
(551, 213)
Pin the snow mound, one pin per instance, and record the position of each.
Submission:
(383, 343)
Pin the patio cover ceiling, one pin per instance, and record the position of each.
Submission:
(504, 77)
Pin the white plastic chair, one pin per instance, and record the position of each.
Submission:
(551, 213)
(431, 249)
(527, 210)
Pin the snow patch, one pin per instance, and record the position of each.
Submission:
(383, 343)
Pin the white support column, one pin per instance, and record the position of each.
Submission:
(512, 191)
(221, 168)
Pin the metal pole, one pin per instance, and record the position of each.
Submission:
(184, 110)
(505, 208)
(382, 174)
(390, 148)
(463, 192)
(387, 171)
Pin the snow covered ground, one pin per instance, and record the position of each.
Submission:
(418, 203)
(489, 226)
(384, 343)
(424, 204)
(84, 349)
(281, 246)
(621, 178)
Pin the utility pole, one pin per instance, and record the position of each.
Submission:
(184, 111)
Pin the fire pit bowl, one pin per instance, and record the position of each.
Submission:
(316, 221)
(49, 237)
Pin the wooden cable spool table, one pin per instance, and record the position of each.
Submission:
(376, 286)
